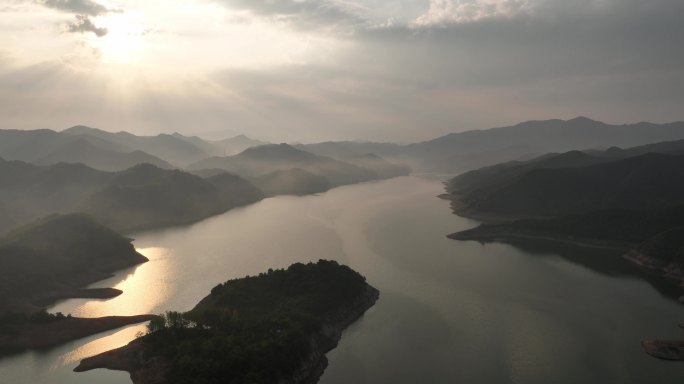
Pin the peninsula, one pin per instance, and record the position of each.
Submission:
(51, 260)
(272, 328)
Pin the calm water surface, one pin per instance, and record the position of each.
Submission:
(450, 312)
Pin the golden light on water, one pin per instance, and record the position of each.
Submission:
(100, 345)
(144, 287)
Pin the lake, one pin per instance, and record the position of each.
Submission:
(449, 311)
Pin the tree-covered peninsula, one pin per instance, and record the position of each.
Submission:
(272, 328)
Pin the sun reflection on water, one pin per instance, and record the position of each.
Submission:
(145, 289)
(100, 345)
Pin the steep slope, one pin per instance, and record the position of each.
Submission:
(36, 191)
(650, 181)
(141, 197)
(146, 196)
(54, 256)
(501, 174)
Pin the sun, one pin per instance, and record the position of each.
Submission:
(126, 38)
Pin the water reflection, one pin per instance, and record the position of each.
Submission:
(99, 345)
(145, 288)
(449, 311)
(604, 261)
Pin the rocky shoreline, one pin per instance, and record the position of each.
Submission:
(145, 370)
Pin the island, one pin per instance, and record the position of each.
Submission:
(52, 259)
(272, 328)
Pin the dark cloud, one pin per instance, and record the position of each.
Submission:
(81, 7)
(620, 38)
(83, 24)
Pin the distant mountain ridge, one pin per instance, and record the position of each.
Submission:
(262, 160)
(110, 151)
(458, 152)
(141, 197)
(452, 153)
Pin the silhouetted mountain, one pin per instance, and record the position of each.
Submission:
(236, 144)
(234, 190)
(377, 164)
(55, 256)
(644, 182)
(81, 150)
(448, 153)
(668, 147)
(35, 191)
(141, 197)
(291, 182)
(45, 147)
(146, 196)
(258, 161)
(177, 149)
(500, 174)
(346, 149)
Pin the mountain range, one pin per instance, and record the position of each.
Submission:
(109, 151)
(143, 196)
(262, 160)
(631, 200)
(644, 177)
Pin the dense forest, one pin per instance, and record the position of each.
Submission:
(274, 327)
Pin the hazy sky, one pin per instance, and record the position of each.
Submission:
(307, 70)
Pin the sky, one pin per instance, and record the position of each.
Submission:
(317, 70)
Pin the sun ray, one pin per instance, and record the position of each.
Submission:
(126, 38)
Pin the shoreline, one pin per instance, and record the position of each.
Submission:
(503, 236)
(51, 334)
(130, 358)
(462, 209)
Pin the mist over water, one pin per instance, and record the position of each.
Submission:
(449, 311)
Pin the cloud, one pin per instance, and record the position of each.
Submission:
(304, 14)
(81, 7)
(454, 11)
(83, 24)
(444, 66)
